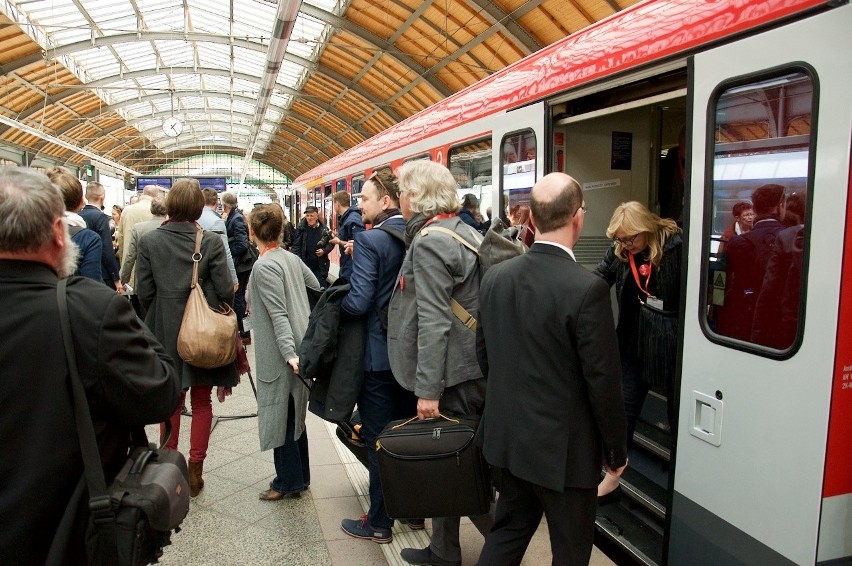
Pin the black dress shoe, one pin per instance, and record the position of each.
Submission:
(426, 557)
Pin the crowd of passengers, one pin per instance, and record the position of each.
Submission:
(555, 408)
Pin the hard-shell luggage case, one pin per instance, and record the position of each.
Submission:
(432, 468)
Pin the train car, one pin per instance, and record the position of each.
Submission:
(760, 468)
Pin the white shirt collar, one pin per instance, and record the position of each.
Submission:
(560, 246)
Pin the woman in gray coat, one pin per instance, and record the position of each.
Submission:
(278, 303)
(163, 277)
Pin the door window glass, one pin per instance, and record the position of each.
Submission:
(470, 164)
(518, 169)
(756, 246)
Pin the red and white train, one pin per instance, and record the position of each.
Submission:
(761, 469)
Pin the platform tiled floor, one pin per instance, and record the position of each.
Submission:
(228, 525)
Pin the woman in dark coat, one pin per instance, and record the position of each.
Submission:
(163, 277)
(644, 265)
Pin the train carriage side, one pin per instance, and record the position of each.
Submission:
(760, 470)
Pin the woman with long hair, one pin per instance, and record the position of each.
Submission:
(163, 277)
(278, 303)
(644, 265)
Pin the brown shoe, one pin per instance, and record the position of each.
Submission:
(272, 495)
(196, 482)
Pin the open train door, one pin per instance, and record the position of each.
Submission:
(764, 447)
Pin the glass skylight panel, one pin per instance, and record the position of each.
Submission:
(327, 5)
(175, 53)
(244, 107)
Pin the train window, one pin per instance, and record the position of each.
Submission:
(422, 157)
(357, 183)
(340, 185)
(470, 164)
(758, 212)
(518, 167)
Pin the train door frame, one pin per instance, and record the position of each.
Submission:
(768, 413)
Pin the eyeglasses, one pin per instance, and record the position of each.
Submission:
(583, 207)
(375, 177)
(627, 241)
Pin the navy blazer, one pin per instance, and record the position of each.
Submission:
(99, 222)
(350, 224)
(375, 266)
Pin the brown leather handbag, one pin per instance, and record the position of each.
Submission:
(207, 336)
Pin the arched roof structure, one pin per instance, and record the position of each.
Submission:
(288, 83)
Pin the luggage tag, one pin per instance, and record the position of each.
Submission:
(655, 303)
(247, 323)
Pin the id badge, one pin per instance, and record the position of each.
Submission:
(246, 324)
(654, 302)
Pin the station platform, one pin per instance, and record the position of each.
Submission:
(228, 525)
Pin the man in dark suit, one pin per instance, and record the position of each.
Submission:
(553, 402)
(375, 265)
(129, 380)
(96, 220)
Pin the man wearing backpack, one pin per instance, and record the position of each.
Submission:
(375, 265)
(431, 324)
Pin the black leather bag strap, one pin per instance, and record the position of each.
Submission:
(100, 506)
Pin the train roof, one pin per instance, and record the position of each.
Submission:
(646, 32)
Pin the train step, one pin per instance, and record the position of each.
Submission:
(653, 440)
(636, 535)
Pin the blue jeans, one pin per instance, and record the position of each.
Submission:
(381, 400)
(292, 469)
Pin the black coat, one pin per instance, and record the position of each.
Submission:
(553, 402)
(332, 353)
(300, 247)
(238, 241)
(129, 381)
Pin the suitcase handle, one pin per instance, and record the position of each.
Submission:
(414, 418)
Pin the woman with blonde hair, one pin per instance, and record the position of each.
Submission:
(644, 265)
(278, 302)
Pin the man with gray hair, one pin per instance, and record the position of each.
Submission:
(93, 214)
(128, 378)
(432, 349)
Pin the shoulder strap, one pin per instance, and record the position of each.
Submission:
(425, 231)
(196, 257)
(459, 311)
(99, 501)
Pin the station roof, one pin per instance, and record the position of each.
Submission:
(289, 83)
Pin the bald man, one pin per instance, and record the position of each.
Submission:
(553, 404)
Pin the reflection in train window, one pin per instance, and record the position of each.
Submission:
(340, 185)
(517, 163)
(757, 242)
(470, 164)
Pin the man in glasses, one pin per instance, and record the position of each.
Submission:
(376, 261)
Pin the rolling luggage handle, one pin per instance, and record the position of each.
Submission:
(414, 418)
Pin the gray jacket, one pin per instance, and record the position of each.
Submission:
(279, 312)
(429, 348)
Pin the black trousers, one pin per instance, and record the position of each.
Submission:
(570, 521)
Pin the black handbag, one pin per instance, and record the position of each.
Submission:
(131, 520)
(432, 468)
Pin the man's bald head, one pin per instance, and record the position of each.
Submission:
(554, 201)
(152, 191)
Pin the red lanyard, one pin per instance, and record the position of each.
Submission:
(268, 248)
(439, 217)
(636, 274)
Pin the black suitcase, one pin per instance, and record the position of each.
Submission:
(432, 468)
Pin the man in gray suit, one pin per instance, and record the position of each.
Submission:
(129, 379)
(553, 403)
